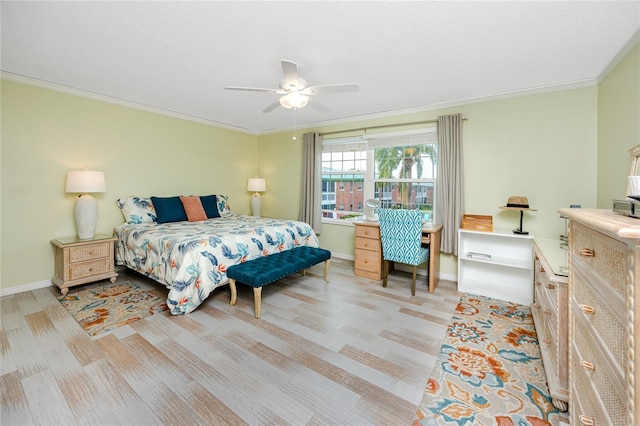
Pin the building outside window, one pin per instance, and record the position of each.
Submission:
(400, 170)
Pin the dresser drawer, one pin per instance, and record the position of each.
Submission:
(605, 321)
(89, 252)
(538, 297)
(592, 371)
(367, 260)
(603, 255)
(586, 407)
(368, 232)
(549, 340)
(368, 244)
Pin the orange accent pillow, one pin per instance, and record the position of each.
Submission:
(193, 208)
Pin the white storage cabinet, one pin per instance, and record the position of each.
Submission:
(506, 273)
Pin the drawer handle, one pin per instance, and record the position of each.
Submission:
(587, 421)
(91, 252)
(587, 252)
(90, 269)
(547, 312)
(536, 306)
(587, 365)
(538, 284)
(547, 340)
(551, 286)
(541, 269)
(587, 309)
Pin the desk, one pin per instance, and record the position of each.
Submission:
(368, 251)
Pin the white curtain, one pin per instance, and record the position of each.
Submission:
(311, 183)
(450, 192)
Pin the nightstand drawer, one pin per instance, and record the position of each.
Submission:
(89, 252)
(88, 269)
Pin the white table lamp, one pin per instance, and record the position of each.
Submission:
(256, 185)
(86, 211)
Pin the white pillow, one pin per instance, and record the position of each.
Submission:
(223, 205)
(137, 210)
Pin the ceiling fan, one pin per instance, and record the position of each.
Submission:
(296, 92)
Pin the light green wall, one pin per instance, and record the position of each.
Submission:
(46, 133)
(618, 127)
(560, 148)
(528, 145)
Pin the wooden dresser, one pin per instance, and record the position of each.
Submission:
(368, 251)
(604, 265)
(550, 315)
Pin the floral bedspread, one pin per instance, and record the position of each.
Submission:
(191, 258)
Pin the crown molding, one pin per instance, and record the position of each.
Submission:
(628, 46)
(117, 101)
(453, 104)
(313, 125)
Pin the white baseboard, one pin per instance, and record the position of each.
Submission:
(421, 271)
(343, 256)
(24, 287)
(47, 283)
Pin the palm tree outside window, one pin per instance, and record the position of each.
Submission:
(399, 169)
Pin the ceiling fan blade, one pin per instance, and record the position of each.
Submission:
(271, 107)
(255, 89)
(313, 104)
(331, 88)
(291, 74)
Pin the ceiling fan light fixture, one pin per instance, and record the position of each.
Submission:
(294, 100)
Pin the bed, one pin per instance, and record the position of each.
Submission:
(191, 257)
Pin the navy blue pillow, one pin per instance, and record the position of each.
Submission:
(169, 209)
(210, 204)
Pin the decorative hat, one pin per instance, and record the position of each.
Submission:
(517, 203)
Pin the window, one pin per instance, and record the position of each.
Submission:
(400, 170)
(343, 168)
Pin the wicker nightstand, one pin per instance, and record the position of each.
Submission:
(83, 261)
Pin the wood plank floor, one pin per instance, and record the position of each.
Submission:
(347, 352)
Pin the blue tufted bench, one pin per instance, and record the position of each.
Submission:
(264, 270)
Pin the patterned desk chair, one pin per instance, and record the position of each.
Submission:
(401, 234)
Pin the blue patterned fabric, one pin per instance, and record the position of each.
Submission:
(191, 258)
(401, 235)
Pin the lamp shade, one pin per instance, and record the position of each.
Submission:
(85, 181)
(294, 100)
(257, 185)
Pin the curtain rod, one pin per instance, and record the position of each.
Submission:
(382, 126)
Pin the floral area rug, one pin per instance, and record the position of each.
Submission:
(106, 307)
(489, 370)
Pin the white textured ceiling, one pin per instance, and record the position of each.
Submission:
(406, 56)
